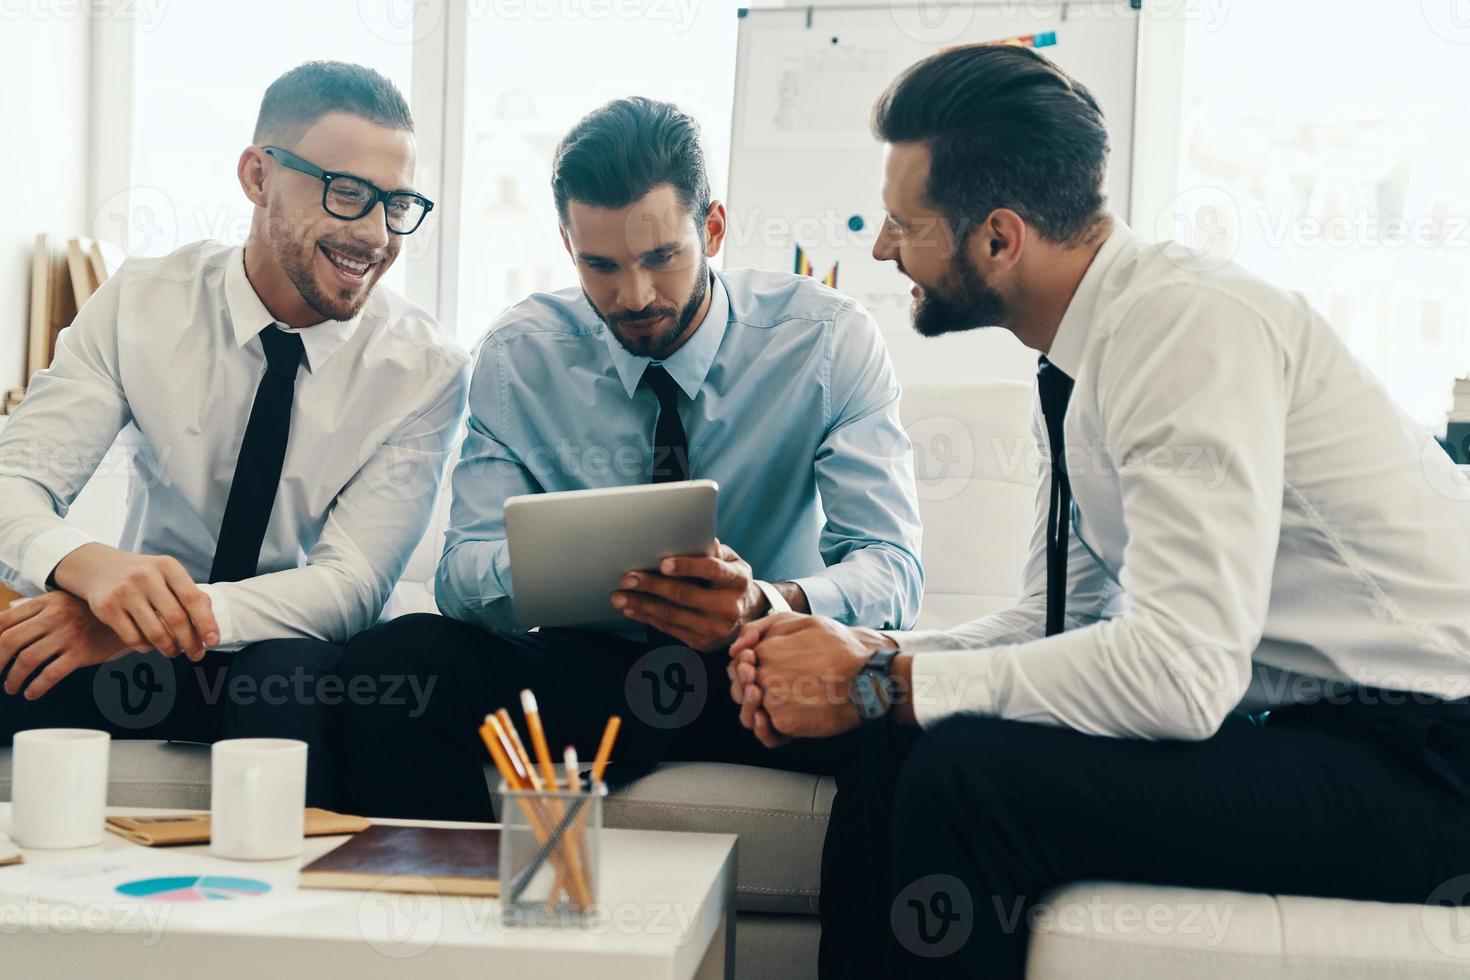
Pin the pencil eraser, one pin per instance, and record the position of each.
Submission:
(528, 702)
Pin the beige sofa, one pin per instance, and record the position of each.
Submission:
(977, 483)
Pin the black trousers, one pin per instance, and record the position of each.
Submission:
(273, 689)
(944, 845)
(420, 686)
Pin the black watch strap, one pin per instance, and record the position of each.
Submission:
(882, 660)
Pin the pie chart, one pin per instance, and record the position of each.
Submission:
(194, 888)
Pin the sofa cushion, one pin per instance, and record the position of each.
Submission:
(780, 817)
(1144, 932)
(165, 775)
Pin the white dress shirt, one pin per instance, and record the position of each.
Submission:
(166, 354)
(1255, 521)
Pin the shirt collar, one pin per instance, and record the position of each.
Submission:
(249, 317)
(1071, 340)
(690, 364)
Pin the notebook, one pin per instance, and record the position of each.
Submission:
(431, 860)
(169, 830)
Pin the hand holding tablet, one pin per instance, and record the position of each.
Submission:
(570, 550)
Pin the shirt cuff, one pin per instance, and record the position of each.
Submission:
(948, 682)
(220, 606)
(824, 597)
(47, 550)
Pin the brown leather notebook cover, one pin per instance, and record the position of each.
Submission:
(443, 861)
(169, 830)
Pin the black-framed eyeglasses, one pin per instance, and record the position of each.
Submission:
(349, 198)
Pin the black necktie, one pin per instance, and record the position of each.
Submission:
(1055, 388)
(670, 445)
(258, 470)
(670, 454)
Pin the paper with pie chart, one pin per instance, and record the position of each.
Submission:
(194, 888)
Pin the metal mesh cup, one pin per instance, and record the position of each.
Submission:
(550, 851)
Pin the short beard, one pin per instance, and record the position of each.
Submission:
(295, 258)
(658, 348)
(964, 301)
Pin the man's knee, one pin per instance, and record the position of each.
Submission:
(287, 656)
(420, 643)
(398, 667)
(965, 758)
(281, 674)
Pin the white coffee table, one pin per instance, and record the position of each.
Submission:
(670, 913)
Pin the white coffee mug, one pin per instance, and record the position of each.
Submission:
(59, 787)
(257, 799)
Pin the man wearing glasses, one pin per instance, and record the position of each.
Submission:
(287, 425)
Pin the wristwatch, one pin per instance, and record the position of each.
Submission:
(774, 598)
(871, 691)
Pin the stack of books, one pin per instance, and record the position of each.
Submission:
(1460, 412)
(63, 278)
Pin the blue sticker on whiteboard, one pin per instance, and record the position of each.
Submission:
(855, 223)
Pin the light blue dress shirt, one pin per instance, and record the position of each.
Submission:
(791, 406)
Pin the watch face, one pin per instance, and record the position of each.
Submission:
(871, 694)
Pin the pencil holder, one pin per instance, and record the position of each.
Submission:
(550, 850)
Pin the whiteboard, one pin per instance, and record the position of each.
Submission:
(805, 170)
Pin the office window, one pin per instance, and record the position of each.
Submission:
(1324, 153)
(200, 70)
(534, 69)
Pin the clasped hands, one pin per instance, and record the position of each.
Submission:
(789, 672)
(110, 603)
(791, 675)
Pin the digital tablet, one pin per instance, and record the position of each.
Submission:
(570, 549)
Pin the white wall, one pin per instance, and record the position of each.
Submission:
(43, 161)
